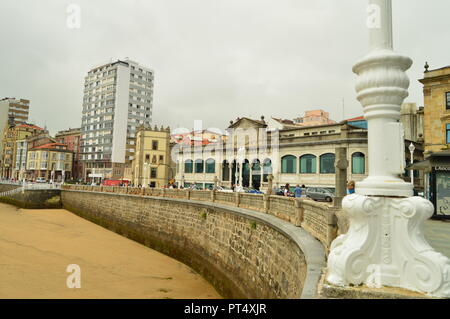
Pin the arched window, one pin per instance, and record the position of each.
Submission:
(225, 171)
(327, 163)
(199, 166)
(256, 167)
(288, 164)
(210, 166)
(308, 164)
(188, 166)
(358, 163)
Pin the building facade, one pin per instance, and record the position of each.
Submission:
(15, 110)
(19, 109)
(14, 145)
(412, 119)
(118, 97)
(303, 155)
(314, 118)
(71, 138)
(52, 161)
(436, 92)
(152, 165)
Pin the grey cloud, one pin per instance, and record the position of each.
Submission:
(214, 60)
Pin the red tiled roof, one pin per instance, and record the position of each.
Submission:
(359, 118)
(30, 126)
(49, 145)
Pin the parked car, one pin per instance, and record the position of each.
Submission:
(317, 193)
(41, 180)
(277, 191)
(224, 189)
(252, 191)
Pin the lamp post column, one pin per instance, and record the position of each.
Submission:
(385, 245)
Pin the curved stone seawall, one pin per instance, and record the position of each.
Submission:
(242, 253)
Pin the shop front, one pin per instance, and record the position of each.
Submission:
(437, 182)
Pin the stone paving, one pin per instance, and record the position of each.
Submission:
(438, 235)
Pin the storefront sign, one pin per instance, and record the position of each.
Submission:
(443, 193)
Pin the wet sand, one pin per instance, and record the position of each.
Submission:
(36, 246)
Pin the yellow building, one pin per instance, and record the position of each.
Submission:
(14, 142)
(152, 164)
(51, 161)
(436, 91)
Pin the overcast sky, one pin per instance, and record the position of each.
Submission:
(214, 60)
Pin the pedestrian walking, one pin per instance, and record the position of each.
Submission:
(351, 187)
(298, 191)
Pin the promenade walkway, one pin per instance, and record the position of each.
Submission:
(438, 235)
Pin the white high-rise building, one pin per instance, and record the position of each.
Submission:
(118, 97)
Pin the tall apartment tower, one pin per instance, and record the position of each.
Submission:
(118, 97)
(12, 111)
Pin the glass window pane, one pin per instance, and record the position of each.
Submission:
(308, 164)
(327, 164)
(188, 166)
(210, 166)
(288, 164)
(358, 163)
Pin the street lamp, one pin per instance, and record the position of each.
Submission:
(384, 245)
(411, 151)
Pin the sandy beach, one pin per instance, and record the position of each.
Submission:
(36, 246)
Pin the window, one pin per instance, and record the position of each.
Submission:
(447, 100)
(308, 164)
(153, 172)
(358, 163)
(199, 166)
(448, 133)
(161, 158)
(288, 164)
(147, 157)
(188, 167)
(327, 164)
(154, 145)
(210, 166)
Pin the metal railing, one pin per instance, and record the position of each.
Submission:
(27, 186)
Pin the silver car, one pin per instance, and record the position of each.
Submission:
(317, 193)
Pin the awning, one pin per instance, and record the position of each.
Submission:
(438, 159)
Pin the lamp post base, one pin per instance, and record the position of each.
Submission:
(385, 246)
(384, 187)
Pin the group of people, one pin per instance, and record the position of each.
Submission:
(297, 192)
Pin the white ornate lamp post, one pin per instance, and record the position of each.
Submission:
(385, 245)
(411, 151)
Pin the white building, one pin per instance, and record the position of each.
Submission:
(302, 155)
(118, 97)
